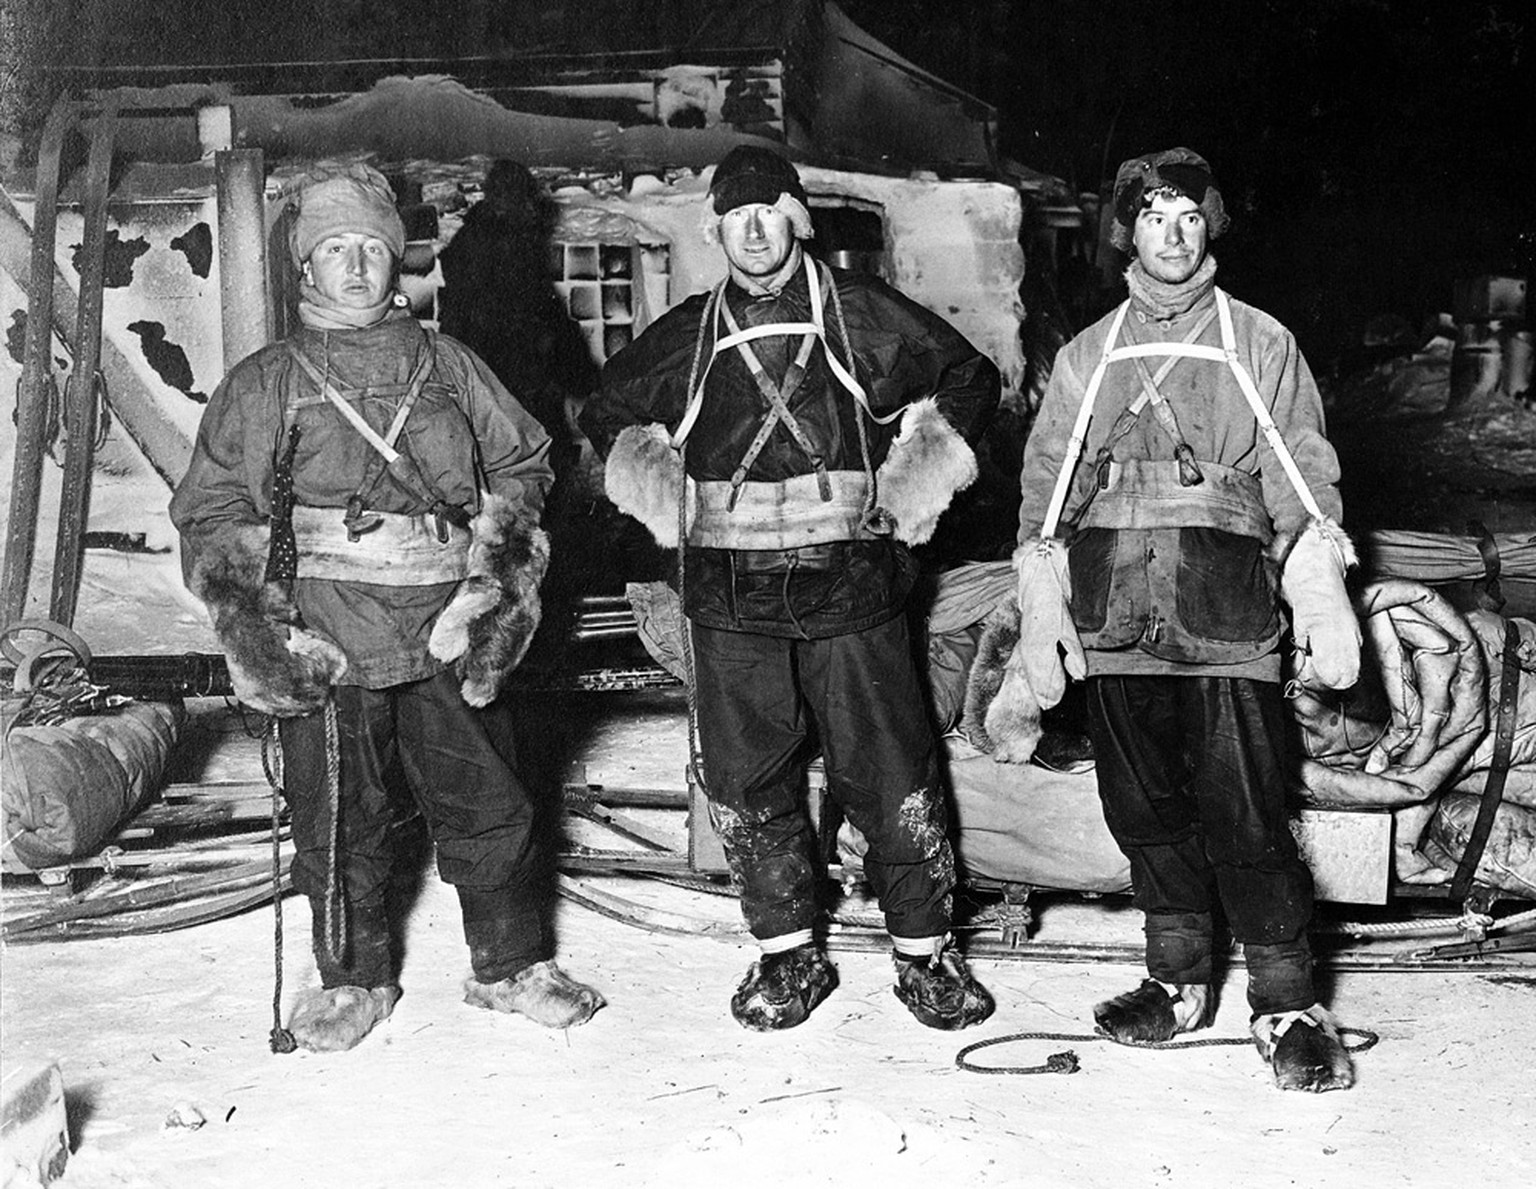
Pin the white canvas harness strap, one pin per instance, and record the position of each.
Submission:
(1226, 353)
(815, 328)
(1261, 412)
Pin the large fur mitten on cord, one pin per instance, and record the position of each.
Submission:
(928, 463)
(644, 479)
(275, 666)
(489, 623)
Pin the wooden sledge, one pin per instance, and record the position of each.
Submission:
(204, 850)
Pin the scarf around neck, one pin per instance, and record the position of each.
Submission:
(1166, 301)
(319, 314)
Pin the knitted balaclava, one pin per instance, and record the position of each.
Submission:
(749, 174)
(337, 198)
(1180, 171)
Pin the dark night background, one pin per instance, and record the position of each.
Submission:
(1370, 151)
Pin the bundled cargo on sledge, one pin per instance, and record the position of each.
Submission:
(1414, 744)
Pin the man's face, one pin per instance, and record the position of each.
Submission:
(758, 241)
(351, 270)
(1170, 237)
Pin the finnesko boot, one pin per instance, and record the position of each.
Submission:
(1154, 1012)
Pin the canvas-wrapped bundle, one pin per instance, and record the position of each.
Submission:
(66, 787)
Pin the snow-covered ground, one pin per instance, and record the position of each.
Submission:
(662, 1088)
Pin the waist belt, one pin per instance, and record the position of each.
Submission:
(786, 515)
(401, 551)
(782, 561)
(1141, 493)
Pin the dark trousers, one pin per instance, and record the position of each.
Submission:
(458, 763)
(764, 704)
(1191, 775)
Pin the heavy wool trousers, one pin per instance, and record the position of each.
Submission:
(458, 763)
(1191, 776)
(765, 705)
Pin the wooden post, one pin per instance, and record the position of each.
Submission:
(246, 309)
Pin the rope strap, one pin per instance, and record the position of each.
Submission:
(1067, 1062)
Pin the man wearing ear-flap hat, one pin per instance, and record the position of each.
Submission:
(1178, 495)
(361, 519)
(824, 421)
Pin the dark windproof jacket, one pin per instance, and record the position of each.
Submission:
(787, 554)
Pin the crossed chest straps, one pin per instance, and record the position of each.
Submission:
(1190, 474)
(385, 457)
(778, 395)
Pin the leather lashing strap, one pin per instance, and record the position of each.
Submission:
(1487, 586)
(1503, 745)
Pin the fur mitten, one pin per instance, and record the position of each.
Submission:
(1323, 622)
(927, 464)
(1013, 719)
(275, 666)
(1002, 715)
(489, 623)
(644, 479)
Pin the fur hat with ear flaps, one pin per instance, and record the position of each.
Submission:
(1181, 171)
(749, 174)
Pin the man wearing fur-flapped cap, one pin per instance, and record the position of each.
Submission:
(361, 519)
(797, 430)
(1178, 495)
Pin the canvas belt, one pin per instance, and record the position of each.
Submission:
(1144, 494)
(785, 515)
(399, 551)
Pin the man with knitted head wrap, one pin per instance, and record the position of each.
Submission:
(361, 518)
(1177, 485)
(824, 422)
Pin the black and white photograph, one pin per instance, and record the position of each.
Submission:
(785, 594)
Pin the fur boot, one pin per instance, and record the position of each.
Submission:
(927, 464)
(275, 666)
(1304, 1050)
(489, 623)
(940, 990)
(781, 990)
(334, 1019)
(1323, 622)
(644, 479)
(542, 992)
(1154, 1012)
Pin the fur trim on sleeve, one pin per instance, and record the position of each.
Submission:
(488, 624)
(275, 666)
(644, 479)
(928, 463)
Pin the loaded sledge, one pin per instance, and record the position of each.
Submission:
(1416, 790)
